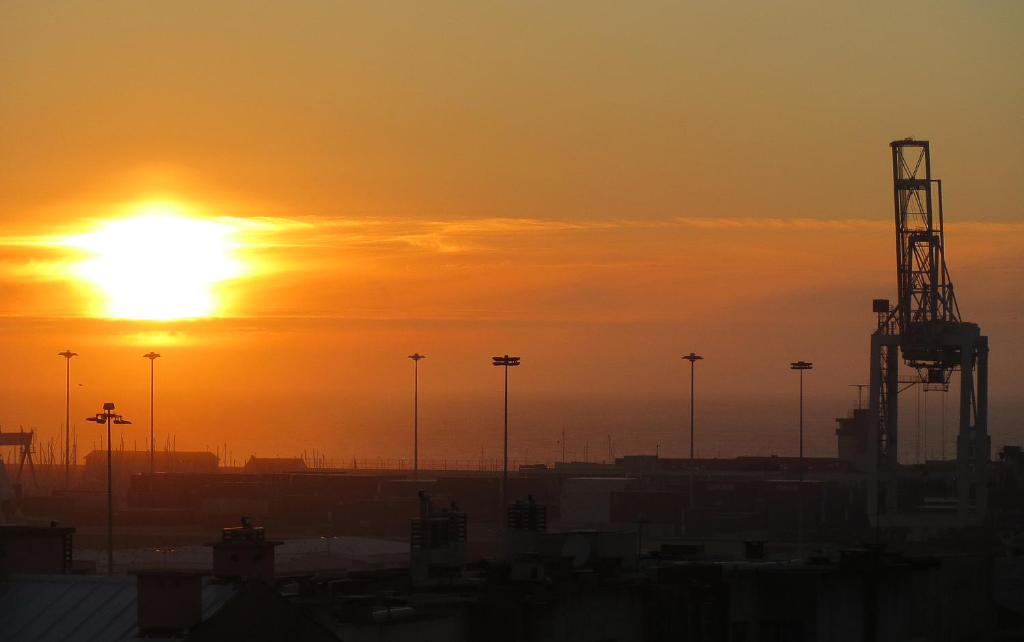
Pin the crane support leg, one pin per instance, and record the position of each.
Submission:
(973, 445)
(883, 433)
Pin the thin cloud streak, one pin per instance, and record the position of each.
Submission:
(486, 235)
(309, 267)
(326, 231)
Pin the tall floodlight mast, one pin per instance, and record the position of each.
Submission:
(152, 356)
(416, 358)
(67, 354)
(925, 328)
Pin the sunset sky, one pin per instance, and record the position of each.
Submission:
(323, 188)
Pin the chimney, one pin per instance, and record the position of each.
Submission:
(244, 553)
(169, 601)
(525, 523)
(437, 540)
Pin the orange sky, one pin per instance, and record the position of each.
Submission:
(599, 187)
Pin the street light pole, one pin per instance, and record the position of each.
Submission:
(416, 357)
(505, 362)
(67, 354)
(693, 357)
(801, 366)
(152, 356)
(107, 416)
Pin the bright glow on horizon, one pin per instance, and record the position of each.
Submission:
(159, 263)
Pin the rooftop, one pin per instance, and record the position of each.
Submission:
(81, 607)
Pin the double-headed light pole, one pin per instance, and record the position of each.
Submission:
(416, 358)
(108, 416)
(693, 357)
(67, 354)
(801, 366)
(505, 362)
(152, 356)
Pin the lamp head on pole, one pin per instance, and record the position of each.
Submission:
(801, 365)
(505, 361)
(416, 356)
(67, 354)
(108, 414)
(152, 356)
(692, 357)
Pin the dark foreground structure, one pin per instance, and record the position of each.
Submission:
(586, 586)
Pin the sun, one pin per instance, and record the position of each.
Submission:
(159, 263)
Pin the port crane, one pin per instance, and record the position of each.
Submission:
(924, 329)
